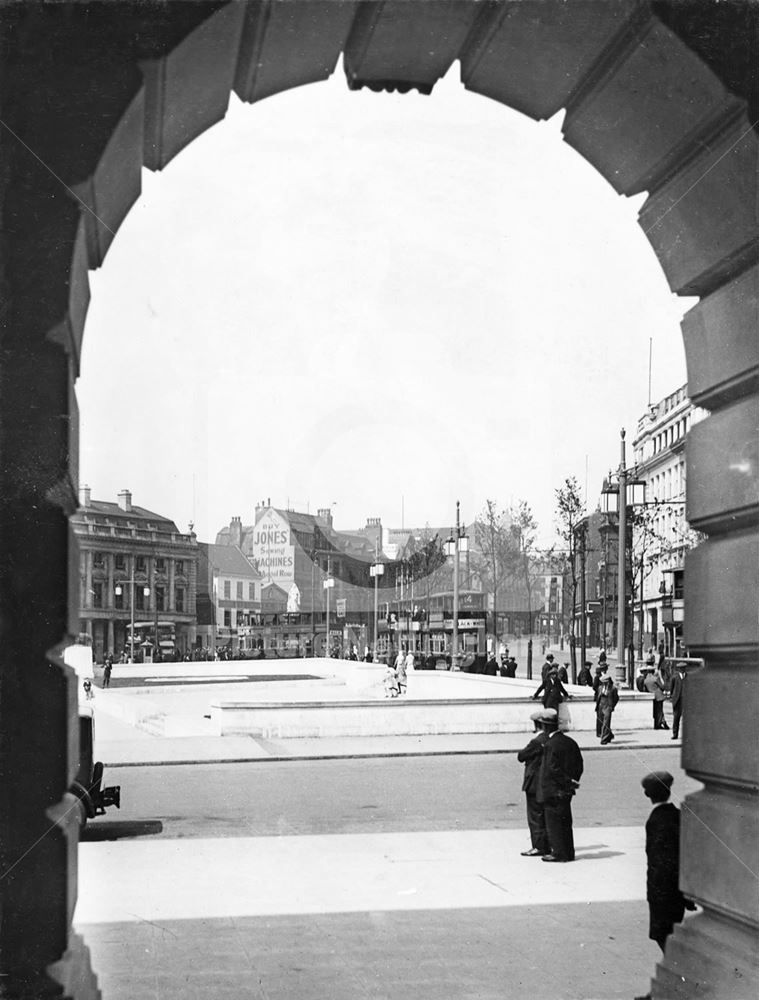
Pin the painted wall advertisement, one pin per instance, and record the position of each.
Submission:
(272, 549)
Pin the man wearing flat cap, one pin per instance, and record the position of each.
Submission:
(558, 779)
(666, 904)
(531, 756)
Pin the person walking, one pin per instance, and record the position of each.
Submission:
(410, 662)
(563, 674)
(553, 690)
(558, 779)
(531, 756)
(666, 904)
(511, 667)
(608, 696)
(392, 689)
(107, 672)
(401, 674)
(676, 687)
(654, 684)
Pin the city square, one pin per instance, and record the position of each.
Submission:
(378, 415)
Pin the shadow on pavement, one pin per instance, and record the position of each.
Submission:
(598, 855)
(119, 829)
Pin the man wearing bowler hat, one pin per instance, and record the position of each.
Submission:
(558, 779)
(531, 756)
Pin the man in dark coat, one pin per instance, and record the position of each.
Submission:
(547, 666)
(584, 676)
(676, 696)
(511, 667)
(558, 779)
(491, 667)
(531, 756)
(666, 904)
(552, 689)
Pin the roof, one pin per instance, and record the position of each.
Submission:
(228, 559)
(344, 542)
(98, 509)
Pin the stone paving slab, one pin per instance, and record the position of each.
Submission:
(347, 873)
(433, 915)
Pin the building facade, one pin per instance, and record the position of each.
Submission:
(229, 593)
(661, 535)
(135, 567)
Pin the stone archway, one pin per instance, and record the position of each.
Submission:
(660, 97)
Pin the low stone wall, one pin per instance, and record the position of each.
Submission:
(411, 716)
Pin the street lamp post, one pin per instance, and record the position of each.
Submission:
(376, 570)
(328, 584)
(120, 590)
(456, 544)
(622, 563)
(616, 500)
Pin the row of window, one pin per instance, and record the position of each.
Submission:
(675, 399)
(141, 600)
(674, 433)
(120, 560)
(227, 590)
(669, 484)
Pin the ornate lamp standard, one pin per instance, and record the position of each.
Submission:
(119, 589)
(376, 570)
(617, 497)
(457, 543)
(328, 584)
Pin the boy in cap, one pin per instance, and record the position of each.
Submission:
(531, 756)
(666, 904)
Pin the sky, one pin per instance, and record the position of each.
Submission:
(378, 303)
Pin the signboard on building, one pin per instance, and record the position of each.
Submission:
(273, 550)
(340, 606)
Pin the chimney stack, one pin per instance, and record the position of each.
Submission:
(235, 531)
(86, 496)
(325, 514)
(125, 501)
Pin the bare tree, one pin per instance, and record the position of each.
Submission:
(522, 552)
(573, 527)
(425, 561)
(649, 546)
(493, 540)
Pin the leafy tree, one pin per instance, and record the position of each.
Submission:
(573, 528)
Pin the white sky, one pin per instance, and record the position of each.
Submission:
(382, 302)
